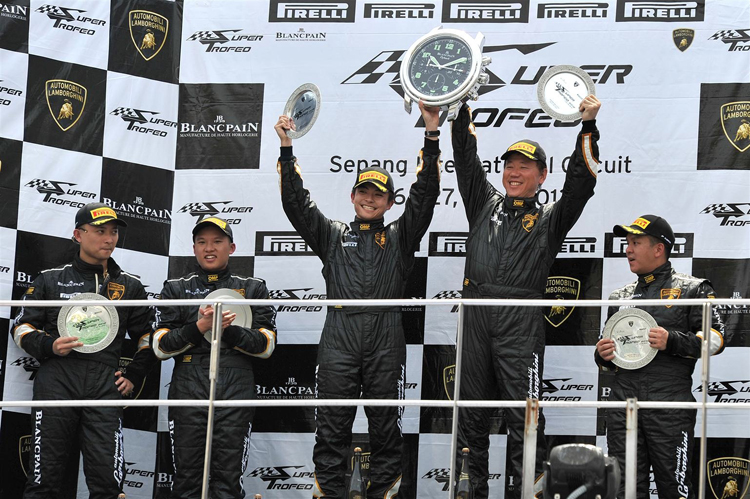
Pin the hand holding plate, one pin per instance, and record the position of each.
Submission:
(285, 123)
(63, 345)
(657, 338)
(606, 349)
(589, 108)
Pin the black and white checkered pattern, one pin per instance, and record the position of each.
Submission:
(130, 149)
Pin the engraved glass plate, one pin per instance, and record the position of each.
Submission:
(303, 107)
(244, 312)
(561, 89)
(95, 326)
(629, 329)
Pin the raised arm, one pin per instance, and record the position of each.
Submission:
(580, 177)
(420, 205)
(301, 211)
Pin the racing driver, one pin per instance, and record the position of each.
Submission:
(511, 246)
(362, 350)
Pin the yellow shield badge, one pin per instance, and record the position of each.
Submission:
(560, 288)
(148, 30)
(735, 121)
(115, 291)
(670, 294)
(449, 380)
(528, 221)
(65, 101)
(728, 477)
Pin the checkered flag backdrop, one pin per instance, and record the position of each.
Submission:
(165, 111)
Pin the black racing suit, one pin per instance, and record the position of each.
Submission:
(665, 437)
(176, 335)
(362, 350)
(80, 376)
(511, 246)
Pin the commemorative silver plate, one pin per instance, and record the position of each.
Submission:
(561, 89)
(629, 329)
(303, 107)
(244, 312)
(95, 326)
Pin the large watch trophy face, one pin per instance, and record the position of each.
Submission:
(440, 66)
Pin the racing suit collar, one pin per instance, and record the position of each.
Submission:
(658, 274)
(361, 225)
(519, 203)
(212, 276)
(86, 268)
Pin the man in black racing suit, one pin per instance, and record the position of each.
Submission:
(665, 436)
(67, 374)
(179, 334)
(511, 246)
(362, 350)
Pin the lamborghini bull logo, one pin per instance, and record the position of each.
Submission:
(66, 111)
(560, 288)
(63, 98)
(743, 132)
(148, 31)
(683, 38)
(149, 42)
(728, 477)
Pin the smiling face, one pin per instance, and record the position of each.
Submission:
(212, 248)
(97, 242)
(522, 176)
(644, 254)
(370, 203)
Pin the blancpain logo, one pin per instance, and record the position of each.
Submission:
(19, 12)
(300, 36)
(138, 209)
(290, 390)
(219, 128)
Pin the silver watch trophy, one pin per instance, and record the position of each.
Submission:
(629, 329)
(303, 107)
(442, 68)
(561, 89)
(95, 326)
(244, 312)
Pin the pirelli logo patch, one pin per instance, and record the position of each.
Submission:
(523, 146)
(103, 212)
(641, 222)
(367, 176)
